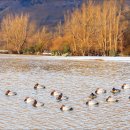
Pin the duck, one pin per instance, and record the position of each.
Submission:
(55, 93)
(38, 86)
(10, 93)
(92, 103)
(114, 90)
(125, 86)
(111, 99)
(100, 91)
(61, 97)
(66, 108)
(37, 104)
(92, 96)
(29, 100)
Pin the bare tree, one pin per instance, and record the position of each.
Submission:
(95, 27)
(14, 29)
(43, 39)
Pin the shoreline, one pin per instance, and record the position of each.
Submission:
(74, 58)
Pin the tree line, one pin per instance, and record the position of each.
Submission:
(92, 29)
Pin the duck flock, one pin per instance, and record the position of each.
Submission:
(90, 101)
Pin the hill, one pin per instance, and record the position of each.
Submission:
(43, 12)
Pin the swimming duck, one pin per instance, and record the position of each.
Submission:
(10, 93)
(100, 91)
(92, 96)
(92, 103)
(111, 99)
(38, 86)
(29, 100)
(125, 86)
(66, 108)
(37, 104)
(61, 97)
(114, 90)
(55, 93)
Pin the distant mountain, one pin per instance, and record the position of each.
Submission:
(44, 12)
(31, 2)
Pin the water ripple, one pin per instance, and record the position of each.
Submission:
(76, 79)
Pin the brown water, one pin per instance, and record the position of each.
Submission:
(76, 79)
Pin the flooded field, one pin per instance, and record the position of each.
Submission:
(76, 79)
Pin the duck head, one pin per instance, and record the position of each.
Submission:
(92, 96)
(108, 98)
(59, 97)
(113, 89)
(26, 99)
(53, 92)
(87, 102)
(61, 108)
(34, 103)
(123, 85)
(35, 87)
(7, 92)
(96, 90)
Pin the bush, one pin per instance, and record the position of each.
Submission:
(30, 50)
(112, 53)
(66, 49)
(126, 52)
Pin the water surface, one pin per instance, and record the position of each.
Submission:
(76, 79)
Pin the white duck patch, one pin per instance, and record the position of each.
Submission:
(92, 102)
(100, 91)
(29, 100)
